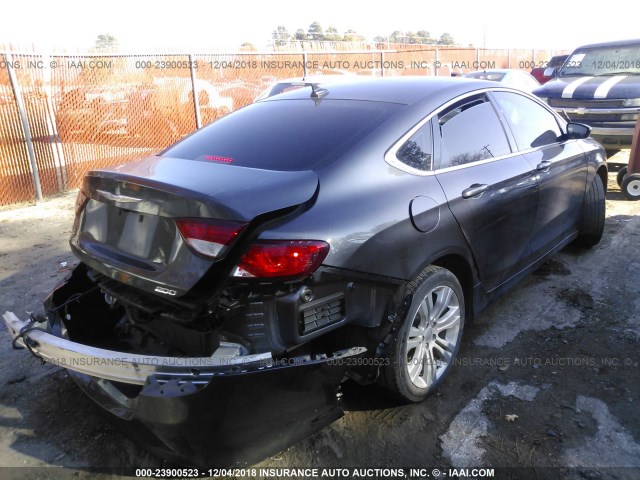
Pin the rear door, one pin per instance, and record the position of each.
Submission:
(491, 189)
(561, 167)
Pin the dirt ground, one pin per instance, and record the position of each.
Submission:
(561, 352)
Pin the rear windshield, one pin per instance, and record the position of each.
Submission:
(285, 134)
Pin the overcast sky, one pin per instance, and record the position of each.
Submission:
(142, 24)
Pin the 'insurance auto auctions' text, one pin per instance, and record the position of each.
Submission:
(330, 64)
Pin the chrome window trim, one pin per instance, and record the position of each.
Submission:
(390, 155)
(478, 162)
(391, 158)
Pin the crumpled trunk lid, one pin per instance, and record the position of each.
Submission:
(128, 232)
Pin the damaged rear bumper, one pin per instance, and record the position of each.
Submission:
(131, 368)
(223, 410)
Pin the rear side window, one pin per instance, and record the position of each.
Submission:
(285, 134)
(471, 131)
(531, 124)
(417, 151)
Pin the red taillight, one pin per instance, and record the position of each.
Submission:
(282, 258)
(208, 236)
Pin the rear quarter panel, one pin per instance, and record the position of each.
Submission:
(362, 211)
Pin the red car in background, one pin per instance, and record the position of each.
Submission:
(554, 62)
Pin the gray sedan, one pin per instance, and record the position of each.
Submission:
(508, 77)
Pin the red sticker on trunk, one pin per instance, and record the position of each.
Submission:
(216, 158)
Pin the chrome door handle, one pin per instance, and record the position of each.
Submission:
(544, 165)
(474, 190)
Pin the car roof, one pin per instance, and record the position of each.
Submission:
(619, 43)
(402, 90)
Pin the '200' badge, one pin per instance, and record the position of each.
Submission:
(165, 291)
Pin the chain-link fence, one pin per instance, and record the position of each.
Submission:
(62, 115)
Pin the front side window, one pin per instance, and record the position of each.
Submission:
(417, 151)
(531, 124)
(471, 131)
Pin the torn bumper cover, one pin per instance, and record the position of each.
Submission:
(227, 409)
(131, 368)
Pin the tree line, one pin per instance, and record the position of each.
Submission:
(315, 32)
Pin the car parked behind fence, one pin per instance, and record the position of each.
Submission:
(508, 77)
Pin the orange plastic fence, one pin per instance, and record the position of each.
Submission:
(90, 111)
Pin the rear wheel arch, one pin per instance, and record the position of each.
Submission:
(457, 264)
(406, 349)
(463, 271)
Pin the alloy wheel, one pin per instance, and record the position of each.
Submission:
(433, 336)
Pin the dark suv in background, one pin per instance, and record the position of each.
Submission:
(599, 85)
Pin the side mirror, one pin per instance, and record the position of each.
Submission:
(577, 131)
(549, 72)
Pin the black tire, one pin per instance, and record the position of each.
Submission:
(621, 173)
(593, 215)
(416, 344)
(631, 186)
